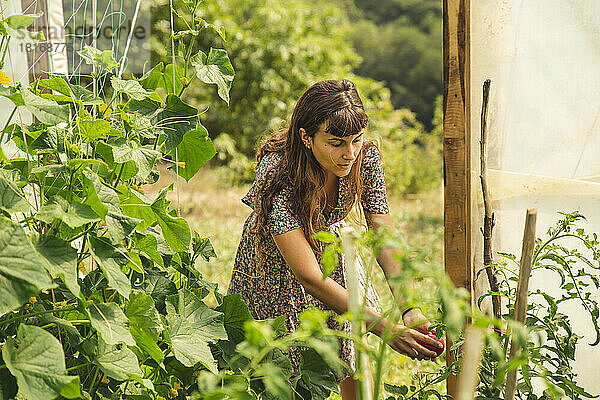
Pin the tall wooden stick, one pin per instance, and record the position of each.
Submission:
(488, 221)
(521, 301)
(469, 369)
(355, 306)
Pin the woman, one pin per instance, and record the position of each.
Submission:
(308, 177)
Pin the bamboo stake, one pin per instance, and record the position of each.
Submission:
(469, 369)
(488, 220)
(522, 288)
(355, 306)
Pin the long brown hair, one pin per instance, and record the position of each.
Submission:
(338, 105)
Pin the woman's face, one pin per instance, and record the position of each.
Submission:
(336, 155)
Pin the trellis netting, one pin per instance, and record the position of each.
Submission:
(121, 26)
(543, 59)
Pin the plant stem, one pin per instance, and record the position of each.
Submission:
(79, 366)
(93, 392)
(93, 226)
(33, 314)
(379, 370)
(74, 322)
(7, 122)
(5, 49)
(119, 176)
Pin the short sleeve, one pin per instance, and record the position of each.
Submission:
(374, 197)
(267, 164)
(281, 219)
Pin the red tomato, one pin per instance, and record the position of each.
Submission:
(437, 350)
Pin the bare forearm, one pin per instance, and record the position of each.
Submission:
(391, 267)
(335, 297)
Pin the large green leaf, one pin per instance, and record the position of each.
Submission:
(205, 321)
(48, 111)
(105, 202)
(144, 324)
(104, 60)
(128, 150)
(274, 380)
(158, 286)
(111, 260)
(110, 321)
(119, 226)
(8, 385)
(12, 93)
(175, 120)
(157, 78)
(50, 140)
(85, 96)
(168, 79)
(149, 245)
(176, 230)
(188, 346)
(136, 205)
(60, 259)
(148, 107)
(36, 358)
(99, 197)
(57, 84)
(93, 129)
(153, 79)
(215, 68)
(235, 314)
(66, 327)
(195, 150)
(16, 27)
(317, 375)
(21, 21)
(130, 87)
(192, 325)
(21, 272)
(11, 197)
(74, 214)
(117, 361)
(71, 91)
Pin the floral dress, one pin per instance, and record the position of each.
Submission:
(274, 290)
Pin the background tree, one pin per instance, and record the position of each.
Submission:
(278, 49)
(400, 44)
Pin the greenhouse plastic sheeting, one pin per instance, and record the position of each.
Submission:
(543, 60)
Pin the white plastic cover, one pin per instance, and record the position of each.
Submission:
(543, 59)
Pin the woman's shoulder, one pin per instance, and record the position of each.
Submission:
(371, 156)
(266, 165)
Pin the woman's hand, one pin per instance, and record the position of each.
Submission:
(416, 320)
(405, 342)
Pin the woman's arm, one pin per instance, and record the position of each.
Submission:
(391, 267)
(300, 257)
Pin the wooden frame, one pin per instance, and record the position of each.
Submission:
(457, 164)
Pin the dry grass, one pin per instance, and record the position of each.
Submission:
(213, 208)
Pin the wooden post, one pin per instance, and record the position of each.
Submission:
(522, 288)
(457, 184)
